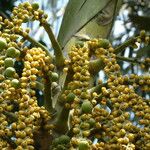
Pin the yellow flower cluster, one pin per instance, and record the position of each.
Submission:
(20, 115)
(120, 131)
(109, 114)
(31, 12)
(113, 114)
(76, 93)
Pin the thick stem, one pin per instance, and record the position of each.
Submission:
(61, 122)
(120, 48)
(47, 94)
(57, 49)
(35, 43)
(95, 66)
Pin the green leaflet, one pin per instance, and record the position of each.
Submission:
(78, 13)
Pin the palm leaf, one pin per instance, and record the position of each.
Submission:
(78, 13)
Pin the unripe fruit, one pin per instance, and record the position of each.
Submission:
(35, 6)
(103, 43)
(9, 72)
(70, 97)
(142, 34)
(3, 43)
(54, 86)
(64, 139)
(86, 106)
(15, 83)
(26, 19)
(92, 122)
(9, 62)
(17, 53)
(83, 145)
(79, 44)
(56, 141)
(54, 76)
(12, 52)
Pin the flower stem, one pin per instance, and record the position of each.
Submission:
(132, 60)
(127, 43)
(47, 94)
(95, 66)
(57, 49)
(35, 43)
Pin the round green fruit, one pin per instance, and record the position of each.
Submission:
(104, 43)
(26, 18)
(3, 43)
(9, 72)
(70, 97)
(17, 52)
(12, 52)
(83, 145)
(79, 44)
(92, 122)
(64, 139)
(142, 34)
(9, 62)
(35, 6)
(86, 106)
(15, 83)
(55, 142)
(54, 76)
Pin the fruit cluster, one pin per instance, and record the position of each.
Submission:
(120, 99)
(106, 115)
(20, 116)
(112, 115)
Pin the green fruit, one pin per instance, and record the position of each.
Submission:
(142, 34)
(92, 122)
(26, 18)
(3, 43)
(12, 52)
(86, 106)
(9, 62)
(55, 141)
(54, 76)
(35, 6)
(79, 44)
(70, 97)
(104, 43)
(64, 139)
(17, 53)
(9, 72)
(15, 83)
(83, 145)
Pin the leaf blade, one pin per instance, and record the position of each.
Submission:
(77, 15)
